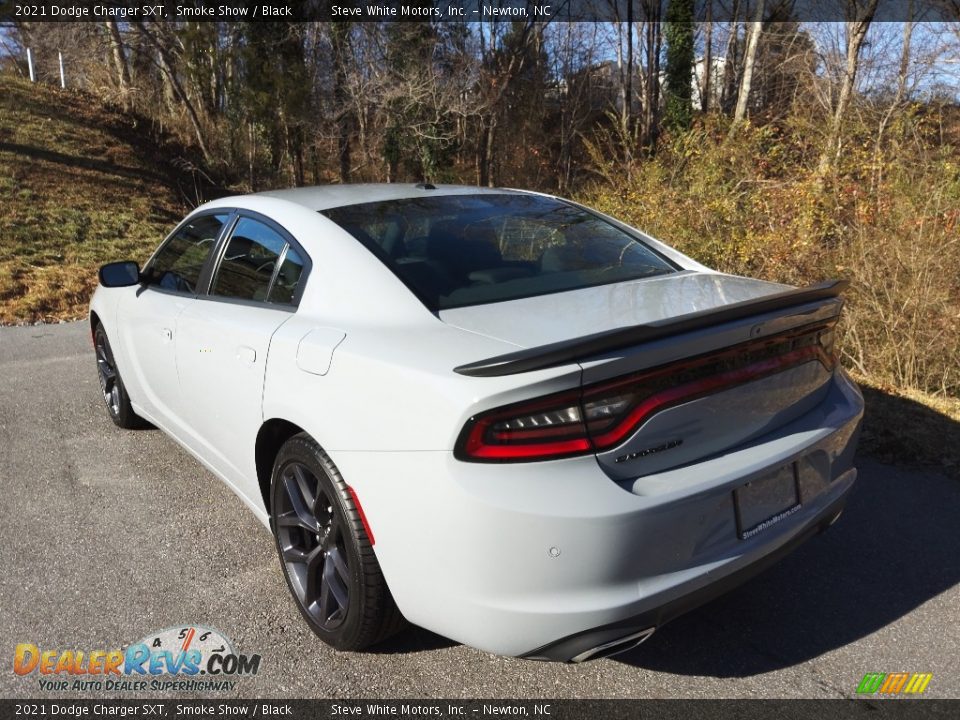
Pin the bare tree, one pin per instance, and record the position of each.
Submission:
(903, 72)
(653, 42)
(861, 12)
(119, 56)
(623, 28)
(340, 40)
(707, 75)
(578, 99)
(503, 55)
(756, 27)
(168, 66)
(731, 60)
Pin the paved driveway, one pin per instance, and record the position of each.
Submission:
(108, 535)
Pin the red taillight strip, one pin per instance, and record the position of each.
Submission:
(476, 448)
(480, 443)
(698, 388)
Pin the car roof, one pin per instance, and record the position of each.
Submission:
(324, 197)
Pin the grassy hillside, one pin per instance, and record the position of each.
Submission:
(80, 185)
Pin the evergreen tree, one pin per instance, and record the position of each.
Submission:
(276, 92)
(678, 31)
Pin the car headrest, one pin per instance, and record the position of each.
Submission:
(463, 249)
(481, 232)
(239, 247)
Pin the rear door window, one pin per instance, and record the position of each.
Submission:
(259, 264)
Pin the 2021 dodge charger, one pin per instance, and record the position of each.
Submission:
(498, 414)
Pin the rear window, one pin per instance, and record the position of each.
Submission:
(459, 250)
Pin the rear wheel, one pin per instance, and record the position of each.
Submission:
(111, 385)
(326, 556)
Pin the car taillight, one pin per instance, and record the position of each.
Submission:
(601, 416)
(549, 427)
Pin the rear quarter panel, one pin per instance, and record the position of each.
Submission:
(391, 388)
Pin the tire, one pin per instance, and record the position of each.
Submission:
(112, 387)
(325, 554)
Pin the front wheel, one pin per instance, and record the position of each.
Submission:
(326, 556)
(111, 385)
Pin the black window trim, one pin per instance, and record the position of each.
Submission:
(210, 270)
(204, 270)
(281, 258)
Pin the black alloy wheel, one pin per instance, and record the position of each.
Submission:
(311, 541)
(325, 552)
(111, 385)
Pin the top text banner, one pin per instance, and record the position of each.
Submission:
(465, 10)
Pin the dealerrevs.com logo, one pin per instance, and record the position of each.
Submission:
(185, 658)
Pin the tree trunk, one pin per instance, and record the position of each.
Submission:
(744, 95)
(251, 154)
(905, 55)
(628, 95)
(488, 155)
(705, 88)
(294, 140)
(343, 154)
(898, 97)
(731, 62)
(625, 73)
(678, 30)
(340, 37)
(499, 81)
(119, 56)
(856, 32)
(479, 155)
(651, 100)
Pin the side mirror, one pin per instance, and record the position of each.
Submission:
(120, 274)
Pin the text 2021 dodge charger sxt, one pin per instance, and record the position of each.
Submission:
(510, 419)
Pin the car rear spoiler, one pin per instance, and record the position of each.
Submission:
(569, 351)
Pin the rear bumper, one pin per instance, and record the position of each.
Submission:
(625, 634)
(549, 559)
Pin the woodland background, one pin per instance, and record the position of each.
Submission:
(759, 145)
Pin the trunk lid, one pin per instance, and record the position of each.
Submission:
(710, 386)
(545, 319)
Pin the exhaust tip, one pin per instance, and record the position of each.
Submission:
(614, 646)
(829, 523)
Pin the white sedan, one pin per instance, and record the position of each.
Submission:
(498, 414)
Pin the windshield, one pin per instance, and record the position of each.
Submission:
(459, 250)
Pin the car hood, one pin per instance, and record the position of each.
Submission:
(544, 319)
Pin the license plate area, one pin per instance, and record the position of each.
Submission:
(765, 501)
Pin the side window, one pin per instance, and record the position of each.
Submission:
(251, 267)
(177, 264)
(285, 285)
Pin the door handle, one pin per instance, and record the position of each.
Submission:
(167, 334)
(246, 355)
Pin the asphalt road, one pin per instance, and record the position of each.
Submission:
(107, 535)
